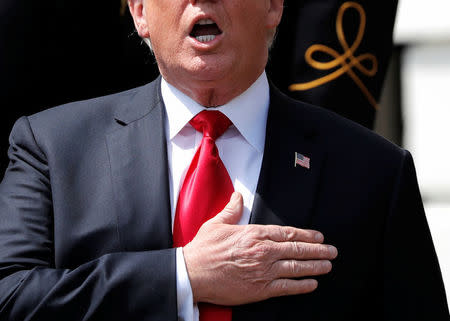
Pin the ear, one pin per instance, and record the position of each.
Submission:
(275, 13)
(137, 10)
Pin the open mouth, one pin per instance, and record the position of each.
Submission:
(205, 30)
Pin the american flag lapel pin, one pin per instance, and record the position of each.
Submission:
(302, 160)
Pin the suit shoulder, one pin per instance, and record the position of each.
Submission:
(104, 105)
(99, 113)
(87, 122)
(340, 134)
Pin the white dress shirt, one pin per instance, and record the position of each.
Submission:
(241, 149)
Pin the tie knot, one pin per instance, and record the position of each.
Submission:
(211, 123)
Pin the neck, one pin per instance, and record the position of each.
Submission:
(214, 93)
(213, 97)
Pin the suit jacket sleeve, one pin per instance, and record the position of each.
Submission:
(413, 287)
(116, 286)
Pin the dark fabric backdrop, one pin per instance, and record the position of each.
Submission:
(310, 22)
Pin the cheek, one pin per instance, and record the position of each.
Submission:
(254, 25)
(162, 34)
(163, 18)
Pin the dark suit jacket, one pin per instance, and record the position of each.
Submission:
(85, 226)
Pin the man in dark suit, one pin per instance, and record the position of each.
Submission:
(89, 212)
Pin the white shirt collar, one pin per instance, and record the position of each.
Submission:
(248, 112)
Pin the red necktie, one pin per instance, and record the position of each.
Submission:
(206, 190)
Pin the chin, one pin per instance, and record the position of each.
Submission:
(209, 69)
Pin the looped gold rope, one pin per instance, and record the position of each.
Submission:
(347, 60)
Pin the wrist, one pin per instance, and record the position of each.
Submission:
(195, 275)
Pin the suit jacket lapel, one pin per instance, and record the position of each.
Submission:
(139, 172)
(286, 193)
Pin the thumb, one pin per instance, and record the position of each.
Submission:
(232, 212)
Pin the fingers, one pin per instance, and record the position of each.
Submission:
(232, 212)
(282, 287)
(291, 234)
(303, 251)
(297, 269)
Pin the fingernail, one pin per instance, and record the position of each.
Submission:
(318, 237)
(332, 250)
(327, 266)
(234, 197)
(314, 283)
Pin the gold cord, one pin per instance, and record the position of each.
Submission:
(347, 61)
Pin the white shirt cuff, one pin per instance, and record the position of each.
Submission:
(187, 311)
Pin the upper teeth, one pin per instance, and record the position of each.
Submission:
(205, 22)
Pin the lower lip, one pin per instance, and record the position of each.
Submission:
(206, 45)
